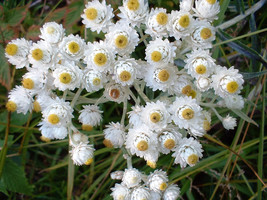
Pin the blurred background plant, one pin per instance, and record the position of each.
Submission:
(233, 165)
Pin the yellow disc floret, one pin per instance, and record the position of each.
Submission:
(184, 21)
(156, 56)
(73, 47)
(163, 75)
(89, 161)
(96, 81)
(162, 18)
(201, 69)
(11, 49)
(192, 159)
(186, 89)
(11, 106)
(163, 186)
(91, 13)
(36, 106)
(211, 1)
(100, 59)
(114, 93)
(169, 143)
(121, 41)
(45, 139)
(107, 143)
(206, 125)
(133, 5)
(142, 145)
(188, 113)
(125, 76)
(53, 119)
(28, 83)
(87, 127)
(232, 87)
(192, 94)
(151, 164)
(50, 29)
(37, 54)
(205, 33)
(65, 78)
(155, 117)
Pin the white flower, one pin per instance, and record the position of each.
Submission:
(82, 154)
(131, 177)
(171, 193)
(186, 5)
(157, 181)
(135, 115)
(227, 82)
(19, 100)
(117, 175)
(134, 11)
(181, 86)
(207, 9)
(17, 52)
(207, 120)
(97, 16)
(72, 47)
(202, 35)
(77, 137)
(126, 70)
(53, 132)
(99, 56)
(52, 32)
(186, 112)
(90, 116)
(155, 115)
(122, 38)
(140, 193)
(160, 51)
(199, 63)
(120, 192)
(114, 134)
(116, 92)
(160, 77)
(168, 139)
(67, 76)
(42, 100)
(229, 123)
(203, 83)
(156, 22)
(234, 102)
(188, 152)
(93, 80)
(42, 55)
(180, 24)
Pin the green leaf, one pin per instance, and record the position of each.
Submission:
(223, 6)
(244, 116)
(57, 15)
(74, 13)
(250, 75)
(4, 69)
(33, 32)
(3, 188)
(14, 178)
(241, 48)
(15, 16)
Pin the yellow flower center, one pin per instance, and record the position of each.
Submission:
(133, 5)
(205, 33)
(184, 21)
(28, 83)
(156, 56)
(89, 161)
(121, 41)
(107, 143)
(53, 119)
(91, 13)
(50, 30)
(162, 18)
(37, 54)
(201, 69)
(187, 89)
(45, 139)
(73, 47)
(232, 87)
(211, 1)
(192, 94)
(155, 117)
(36, 106)
(121, 197)
(11, 49)
(96, 81)
(65, 78)
(11, 106)
(125, 76)
(87, 127)
(206, 125)
(151, 164)
(100, 59)
(169, 143)
(192, 159)
(114, 93)
(163, 186)
(163, 75)
(142, 145)
(188, 113)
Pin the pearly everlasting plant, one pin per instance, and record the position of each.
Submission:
(62, 67)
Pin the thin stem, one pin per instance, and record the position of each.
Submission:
(100, 100)
(124, 111)
(143, 37)
(140, 92)
(133, 96)
(75, 98)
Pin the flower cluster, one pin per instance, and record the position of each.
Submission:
(170, 123)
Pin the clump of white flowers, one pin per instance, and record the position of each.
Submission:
(61, 67)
